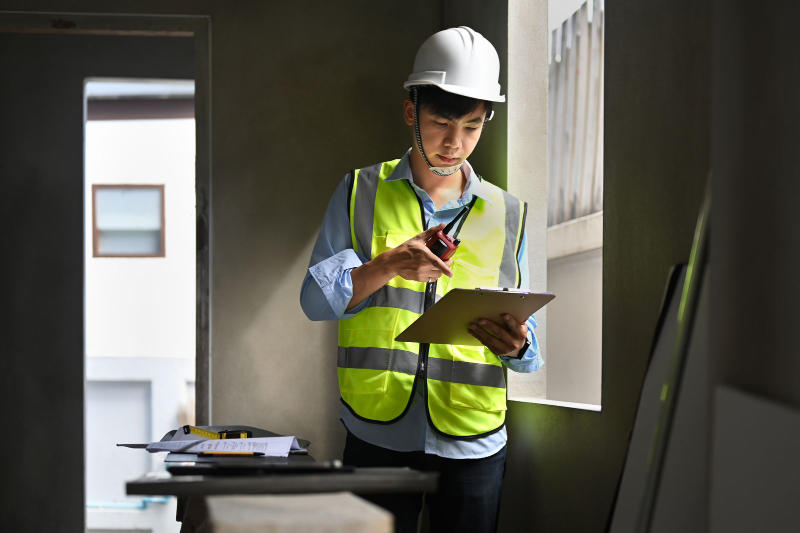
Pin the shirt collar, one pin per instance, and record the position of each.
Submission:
(474, 186)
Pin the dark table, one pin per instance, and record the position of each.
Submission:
(297, 474)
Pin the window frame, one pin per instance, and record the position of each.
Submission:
(96, 231)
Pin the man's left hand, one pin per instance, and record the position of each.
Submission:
(501, 339)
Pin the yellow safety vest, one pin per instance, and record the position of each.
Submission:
(464, 386)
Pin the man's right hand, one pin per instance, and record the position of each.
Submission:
(411, 260)
(414, 261)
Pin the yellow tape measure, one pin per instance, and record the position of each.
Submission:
(225, 434)
(200, 432)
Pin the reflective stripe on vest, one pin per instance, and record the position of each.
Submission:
(406, 362)
(465, 386)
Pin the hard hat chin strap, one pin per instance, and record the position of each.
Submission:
(439, 171)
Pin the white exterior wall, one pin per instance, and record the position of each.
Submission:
(153, 299)
(575, 330)
(139, 322)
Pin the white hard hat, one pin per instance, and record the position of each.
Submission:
(460, 61)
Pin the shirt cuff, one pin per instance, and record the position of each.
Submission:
(333, 277)
(532, 360)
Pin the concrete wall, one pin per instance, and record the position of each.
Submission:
(302, 94)
(490, 19)
(755, 190)
(755, 255)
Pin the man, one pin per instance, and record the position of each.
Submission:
(429, 407)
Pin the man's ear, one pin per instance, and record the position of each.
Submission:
(408, 112)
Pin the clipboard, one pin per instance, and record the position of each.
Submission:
(446, 322)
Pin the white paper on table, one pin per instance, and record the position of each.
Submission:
(270, 446)
(178, 441)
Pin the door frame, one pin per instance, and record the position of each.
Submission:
(197, 28)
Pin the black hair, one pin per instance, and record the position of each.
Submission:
(448, 105)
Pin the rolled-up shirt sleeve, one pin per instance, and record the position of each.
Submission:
(532, 360)
(328, 288)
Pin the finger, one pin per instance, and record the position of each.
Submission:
(497, 330)
(430, 232)
(493, 334)
(518, 329)
(440, 265)
(434, 274)
(427, 275)
(495, 345)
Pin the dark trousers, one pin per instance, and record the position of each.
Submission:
(468, 499)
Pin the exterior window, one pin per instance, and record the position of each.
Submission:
(128, 220)
(566, 245)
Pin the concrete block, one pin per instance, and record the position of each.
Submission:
(302, 513)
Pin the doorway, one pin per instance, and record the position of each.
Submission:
(46, 59)
(139, 289)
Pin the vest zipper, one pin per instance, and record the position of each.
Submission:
(430, 297)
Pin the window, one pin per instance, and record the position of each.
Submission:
(128, 220)
(556, 164)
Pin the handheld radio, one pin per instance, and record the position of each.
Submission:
(444, 244)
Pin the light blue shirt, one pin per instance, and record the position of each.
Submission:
(328, 288)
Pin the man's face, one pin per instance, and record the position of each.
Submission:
(447, 142)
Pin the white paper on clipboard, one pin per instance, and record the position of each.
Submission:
(446, 322)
